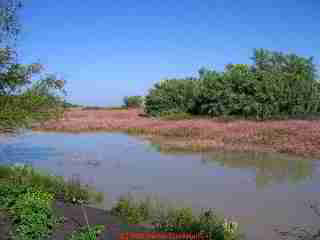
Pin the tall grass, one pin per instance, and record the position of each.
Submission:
(168, 219)
(68, 191)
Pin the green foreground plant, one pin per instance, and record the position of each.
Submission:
(68, 191)
(132, 211)
(27, 196)
(175, 220)
(87, 233)
(30, 210)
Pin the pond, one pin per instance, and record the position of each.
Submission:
(262, 192)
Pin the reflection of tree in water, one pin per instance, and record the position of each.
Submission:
(270, 168)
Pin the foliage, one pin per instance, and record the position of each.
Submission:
(175, 220)
(177, 116)
(27, 195)
(23, 98)
(33, 215)
(26, 177)
(30, 209)
(208, 224)
(132, 211)
(70, 105)
(23, 101)
(172, 96)
(275, 85)
(9, 24)
(133, 101)
(87, 233)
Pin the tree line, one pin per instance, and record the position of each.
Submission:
(274, 85)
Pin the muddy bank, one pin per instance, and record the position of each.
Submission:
(299, 137)
(74, 220)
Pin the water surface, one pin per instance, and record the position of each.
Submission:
(261, 191)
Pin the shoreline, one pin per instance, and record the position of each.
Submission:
(74, 220)
(294, 137)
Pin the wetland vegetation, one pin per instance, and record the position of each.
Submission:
(267, 107)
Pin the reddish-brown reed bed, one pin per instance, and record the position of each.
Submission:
(300, 137)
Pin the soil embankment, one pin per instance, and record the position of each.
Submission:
(73, 220)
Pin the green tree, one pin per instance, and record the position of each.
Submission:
(27, 94)
(275, 85)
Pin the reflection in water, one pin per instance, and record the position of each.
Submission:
(19, 152)
(262, 191)
(269, 167)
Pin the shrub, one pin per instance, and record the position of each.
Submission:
(207, 223)
(175, 220)
(87, 233)
(68, 191)
(172, 96)
(275, 85)
(132, 211)
(133, 101)
(33, 215)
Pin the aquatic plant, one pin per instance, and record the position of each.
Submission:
(298, 137)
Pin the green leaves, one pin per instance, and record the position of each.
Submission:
(88, 233)
(171, 96)
(133, 101)
(30, 209)
(276, 85)
(207, 223)
(132, 211)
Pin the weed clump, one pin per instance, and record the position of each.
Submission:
(180, 220)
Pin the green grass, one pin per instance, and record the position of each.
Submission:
(165, 219)
(30, 210)
(67, 191)
(177, 116)
(87, 233)
(27, 195)
(133, 212)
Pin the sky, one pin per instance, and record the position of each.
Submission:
(110, 49)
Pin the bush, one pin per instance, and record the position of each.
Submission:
(275, 85)
(175, 220)
(87, 233)
(26, 177)
(132, 211)
(182, 220)
(133, 101)
(172, 96)
(33, 215)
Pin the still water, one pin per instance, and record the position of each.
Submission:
(262, 192)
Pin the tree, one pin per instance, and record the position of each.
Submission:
(23, 99)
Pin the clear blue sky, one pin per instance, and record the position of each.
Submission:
(109, 49)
